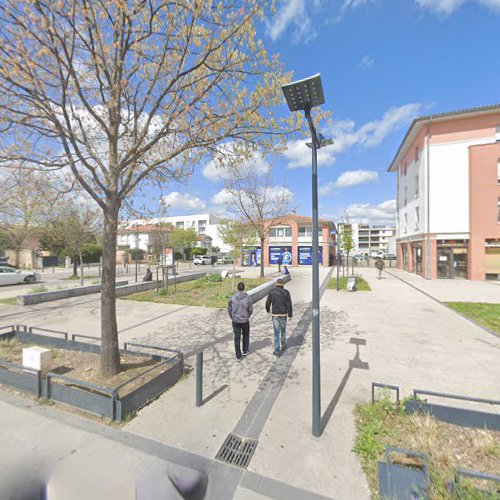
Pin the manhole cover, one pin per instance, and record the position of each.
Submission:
(237, 451)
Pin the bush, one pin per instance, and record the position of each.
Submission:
(198, 251)
(211, 278)
(91, 252)
(137, 254)
(177, 255)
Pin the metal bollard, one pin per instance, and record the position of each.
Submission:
(199, 378)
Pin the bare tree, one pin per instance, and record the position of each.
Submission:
(257, 201)
(126, 91)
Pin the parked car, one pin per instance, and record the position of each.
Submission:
(389, 256)
(202, 260)
(226, 260)
(11, 276)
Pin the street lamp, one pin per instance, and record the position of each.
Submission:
(303, 95)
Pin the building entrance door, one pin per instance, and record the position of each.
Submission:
(417, 259)
(445, 263)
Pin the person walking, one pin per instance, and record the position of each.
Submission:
(240, 308)
(279, 304)
(280, 261)
(379, 264)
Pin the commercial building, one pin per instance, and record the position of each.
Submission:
(448, 195)
(291, 240)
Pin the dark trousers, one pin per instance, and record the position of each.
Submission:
(240, 329)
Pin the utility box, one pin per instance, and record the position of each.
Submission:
(351, 284)
(36, 358)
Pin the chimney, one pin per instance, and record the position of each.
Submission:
(294, 212)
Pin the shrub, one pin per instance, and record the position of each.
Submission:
(198, 251)
(91, 252)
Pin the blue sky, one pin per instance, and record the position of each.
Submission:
(382, 63)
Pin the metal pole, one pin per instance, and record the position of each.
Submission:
(338, 258)
(199, 378)
(316, 382)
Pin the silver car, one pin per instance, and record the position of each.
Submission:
(12, 276)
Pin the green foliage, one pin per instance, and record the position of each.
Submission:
(177, 256)
(211, 278)
(198, 251)
(91, 252)
(137, 254)
(346, 240)
(361, 284)
(10, 301)
(183, 239)
(237, 235)
(39, 289)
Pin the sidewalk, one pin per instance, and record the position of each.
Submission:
(394, 334)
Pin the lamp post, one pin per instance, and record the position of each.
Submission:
(136, 252)
(303, 95)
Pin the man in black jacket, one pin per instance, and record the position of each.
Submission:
(281, 303)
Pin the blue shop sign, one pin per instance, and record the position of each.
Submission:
(305, 256)
(284, 252)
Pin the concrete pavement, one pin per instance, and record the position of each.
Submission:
(394, 334)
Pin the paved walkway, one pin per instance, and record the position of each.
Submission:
(394, 334)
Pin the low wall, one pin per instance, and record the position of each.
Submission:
(152, 285)
(67, 293)
(261, 291)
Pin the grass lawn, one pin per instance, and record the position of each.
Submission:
(209, 291)
(361, 284)
(10, 301)
(486, 314)
(448, 446)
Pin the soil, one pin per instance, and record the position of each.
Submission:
(85, 366)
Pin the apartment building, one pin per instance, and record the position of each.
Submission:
(448, 195)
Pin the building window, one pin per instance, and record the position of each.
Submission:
(406, 223)
(497, 134)
(406, 197)
(417, 217)
(281, 232)
(179, 225)
(417, 185)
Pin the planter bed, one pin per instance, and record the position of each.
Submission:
(72, 376)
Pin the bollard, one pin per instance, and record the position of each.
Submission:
(199, 378)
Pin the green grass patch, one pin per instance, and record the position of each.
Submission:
(447, 446)
(39, 289)
(209, 291)
(361, 284)
(485, 314)
(10, 301)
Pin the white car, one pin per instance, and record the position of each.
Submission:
(202, 260)
(11, 276)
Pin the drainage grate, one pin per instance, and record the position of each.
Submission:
(237, 451)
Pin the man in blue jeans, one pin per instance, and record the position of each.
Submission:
(240, 308)
(279, 304)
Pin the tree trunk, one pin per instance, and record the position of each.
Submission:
(262, 257)
(75, 264)
(110, 355)
(81, 268)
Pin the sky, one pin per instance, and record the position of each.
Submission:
(382, 63)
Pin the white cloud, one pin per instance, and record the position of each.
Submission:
(224, 197)
(366, 62)
(216, 169)
(292, 13)
(352, 4)
(347, 179)
(346, 135)
(448, 7)
(366, 213)
(186, 201)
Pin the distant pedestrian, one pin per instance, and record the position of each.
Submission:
(379, 264)
(148, 276)
(286, 272)
(280, 261)
(240, 308)
(213, 260)
(279, 304)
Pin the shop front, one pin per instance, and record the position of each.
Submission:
(285, 253)
(452, 258)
